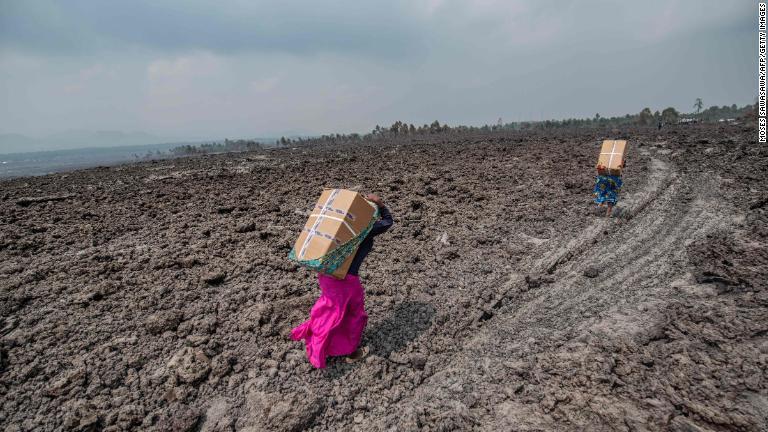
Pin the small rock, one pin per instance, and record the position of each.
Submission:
(160, 322)
(532, 281)
(190, 365)
(89, 421)
(130, 415)
(284, 412)
(684, 424)
(418, 361)
(180, 418)
(398, 358)
(188, 262)
(449, 253)
(221, 365)
(246, 227)
(214, 277)
(443, 238)
(548, 403)
(66, 382)
(3, 359)
(197, 340)
(591, 272)
(10, 268)
(255, 317)
(217, 418)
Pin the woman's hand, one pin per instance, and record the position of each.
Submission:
(375, 199)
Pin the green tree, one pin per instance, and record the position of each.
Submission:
(645, 118)
(698, 105)
(670, 115)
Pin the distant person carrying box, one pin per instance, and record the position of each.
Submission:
(341, 229)
(609, 169)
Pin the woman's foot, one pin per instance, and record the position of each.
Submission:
(356, 356)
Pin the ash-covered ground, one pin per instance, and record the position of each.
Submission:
(158, 296)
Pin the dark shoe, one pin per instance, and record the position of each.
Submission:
(356, 356)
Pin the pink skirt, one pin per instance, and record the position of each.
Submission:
(336, 321)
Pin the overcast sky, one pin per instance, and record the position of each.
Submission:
(196, 69)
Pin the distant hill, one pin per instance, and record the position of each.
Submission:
(16, 143)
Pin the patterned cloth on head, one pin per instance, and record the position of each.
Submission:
(336, 321)
(607, 188)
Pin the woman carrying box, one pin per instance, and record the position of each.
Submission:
(337, 320)
(607, 188)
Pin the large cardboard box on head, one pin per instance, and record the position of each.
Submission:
(611, 160)
(337, 224)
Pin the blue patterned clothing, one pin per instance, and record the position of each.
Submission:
(607, 188)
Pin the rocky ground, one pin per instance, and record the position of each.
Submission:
(158, 296)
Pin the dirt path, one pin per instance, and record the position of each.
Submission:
(560, 317)
(645, 246)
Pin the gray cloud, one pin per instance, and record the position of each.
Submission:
(85, 26)
(192, 69)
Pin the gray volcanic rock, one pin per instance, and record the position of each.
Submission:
(163, 321)
(289, 413)
(159, 296)
(591, 272)
(190, 365)
(246, 227)
(214, 277)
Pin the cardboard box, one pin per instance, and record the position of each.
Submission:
(611, 160)
(339, 217)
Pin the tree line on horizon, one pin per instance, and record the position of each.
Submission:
(645, 117)
(214, 147)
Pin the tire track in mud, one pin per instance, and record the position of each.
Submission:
(646, 244)
(654, 189)
(650, 251)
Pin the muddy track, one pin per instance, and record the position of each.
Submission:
(646, 248)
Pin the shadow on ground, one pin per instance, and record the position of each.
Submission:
(407, 322)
